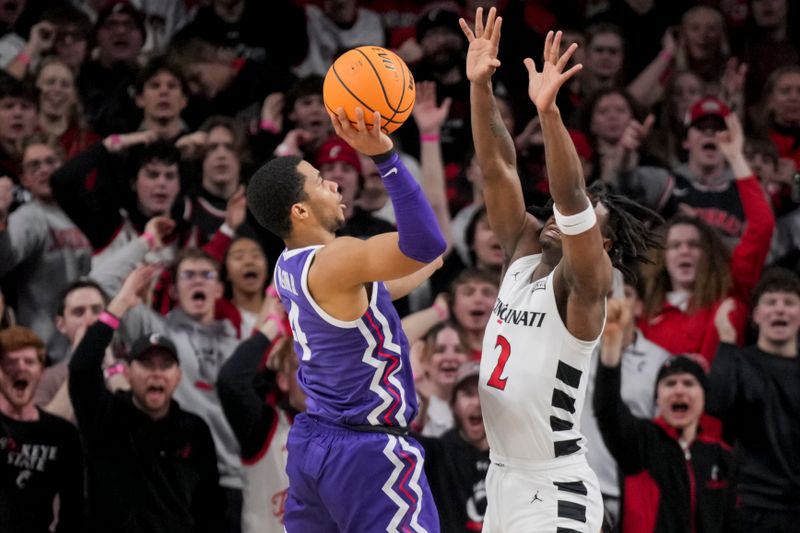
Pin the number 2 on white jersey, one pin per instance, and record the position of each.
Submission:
(505, 352)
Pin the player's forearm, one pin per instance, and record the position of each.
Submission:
(564, 170)
(493, 143)
(419, 235)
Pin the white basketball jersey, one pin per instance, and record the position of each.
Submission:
(533, 371)
(266, 484)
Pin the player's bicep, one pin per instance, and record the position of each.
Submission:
(349, 262)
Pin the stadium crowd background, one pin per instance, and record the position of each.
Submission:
(127, 133)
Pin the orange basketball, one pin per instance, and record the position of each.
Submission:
(372, 78)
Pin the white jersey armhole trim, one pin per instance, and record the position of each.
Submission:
(324, 315)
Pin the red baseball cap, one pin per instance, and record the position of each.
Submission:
(335, 150)
(708, 106)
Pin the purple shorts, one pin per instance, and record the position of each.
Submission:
(351, 481)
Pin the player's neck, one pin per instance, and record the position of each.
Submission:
(311, 237)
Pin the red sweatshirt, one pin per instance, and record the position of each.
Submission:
(681, 332)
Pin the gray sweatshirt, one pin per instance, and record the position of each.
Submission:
(49, 252)
(202, 350)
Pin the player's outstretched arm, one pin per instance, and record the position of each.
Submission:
(418, 240)
(586, 266)
(494, 146)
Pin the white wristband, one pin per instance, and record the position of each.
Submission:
(577, 223)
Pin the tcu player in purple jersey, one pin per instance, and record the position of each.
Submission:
(351, 466)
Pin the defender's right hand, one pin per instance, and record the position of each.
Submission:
(483, 45)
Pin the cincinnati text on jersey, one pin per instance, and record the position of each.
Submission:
(518, 316)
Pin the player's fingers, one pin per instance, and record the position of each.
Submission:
(490, 22)
(556, 48)
(498, 24)
(571, 72)
(479, 23)
(548, 43)
(377, 123)
(360, 122)
(530, 64)
(467, 32)
(566, 56)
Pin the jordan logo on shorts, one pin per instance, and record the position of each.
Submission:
(536, 498)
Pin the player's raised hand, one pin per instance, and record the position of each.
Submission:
(483, 45)
(369, 141)
(543, 86)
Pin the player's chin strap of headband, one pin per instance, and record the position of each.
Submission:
(577, 223)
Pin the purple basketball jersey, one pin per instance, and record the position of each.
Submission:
(356, 372)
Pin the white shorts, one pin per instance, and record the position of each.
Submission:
(543, 497)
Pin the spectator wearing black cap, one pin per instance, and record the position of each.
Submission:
(40, 454)
(151, 465)
(456, 463)
(104, 83)
(676, 477)
(756, 392)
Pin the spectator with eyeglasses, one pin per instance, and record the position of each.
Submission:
(39, 243)
(203, 344)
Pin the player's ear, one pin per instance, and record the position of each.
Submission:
(607, 244)
(300, 211)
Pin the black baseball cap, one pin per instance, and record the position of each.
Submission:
(680, 364)
(148, 343)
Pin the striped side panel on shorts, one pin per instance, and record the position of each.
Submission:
(572, 502)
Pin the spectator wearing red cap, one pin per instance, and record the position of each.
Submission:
(338, 162)
(695, 272)
(104, 83)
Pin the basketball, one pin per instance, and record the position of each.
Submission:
(372, 78)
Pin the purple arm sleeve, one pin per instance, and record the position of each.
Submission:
(420, 236)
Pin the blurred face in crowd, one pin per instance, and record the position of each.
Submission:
(287, 379)
(20, 372)
(468, 414)
(207, 79)
(702, 31)
(680, 400)
(473, 303)
(119, 39)
(342, 12)
(198, 288)
(442, 46)
(373, 194)
(763, 166)
(157, 185)
(17, 118)
(153, 379)
(345, 176)
(162, 97)
(701, 143)
(57, 95)
(784, 100)
(38, 163)
(568, 37)
(488, 253)
(687, 88)
(610, 117)
(604, 55)
(447, 353)
(246, 266)
(71, 45)
(81, 308)
(10, 10)
(309, 114)
(769, 14)
(777, 315)
(221, 165)
(682, 255)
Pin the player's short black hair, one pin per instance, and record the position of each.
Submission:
(273, 190)
(776, 279)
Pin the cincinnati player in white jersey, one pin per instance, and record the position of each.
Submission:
(550, 309)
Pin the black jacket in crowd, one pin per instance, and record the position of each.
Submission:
(665, 490)
(456, 471)
(144, 475)
(757, 396)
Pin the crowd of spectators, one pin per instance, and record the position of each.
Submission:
(146, 380)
